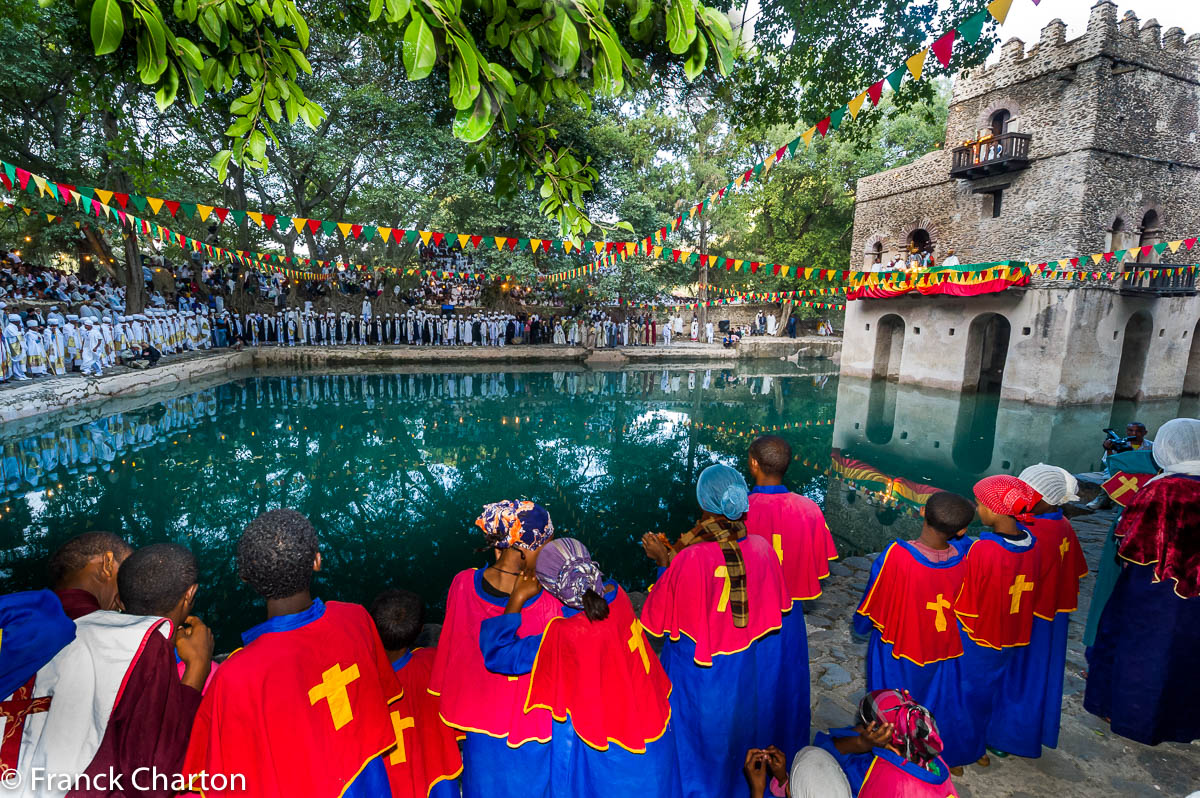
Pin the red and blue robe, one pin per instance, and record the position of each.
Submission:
(608, 695)
(1142, 668)
(995, 614)
(908, 609)
(426, 762)
(883, 774)
(727, 682)
(301, 709)
(797, 532)
(1034, 677)
(33, 628)
(506, 750)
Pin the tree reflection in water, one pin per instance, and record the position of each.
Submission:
(393, 468)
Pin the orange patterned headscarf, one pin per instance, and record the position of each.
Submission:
(522, 525)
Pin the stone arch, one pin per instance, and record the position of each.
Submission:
(985, 116)
(1191, 376)
(874, 250)
(988, 338)
(889, 347)
(1134, 346)
(1120, 229)
(1149, 229)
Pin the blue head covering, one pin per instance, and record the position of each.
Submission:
(722, 490)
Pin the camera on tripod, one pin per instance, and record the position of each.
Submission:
(1119, 444)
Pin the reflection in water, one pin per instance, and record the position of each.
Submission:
(393, 468)
(975, 432)
(881, 411)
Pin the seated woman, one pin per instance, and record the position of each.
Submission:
(595, 672)
(719, 599)
(892, 752)
(1141, 676)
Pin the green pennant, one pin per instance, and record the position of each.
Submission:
(329, 228)
(792, 145)
(239, 217)
(86, 192)
(368, 232)
(895, 78)
(410, 236)
(758, 167)
(704, 206)
(11, 172)
(556, 244)
(1160, 247)
(522, 244)
(138, 201)
(283, 224)
(835, 119)
(188, 209)
(1119, 255)
(972, 27)
(695, 256)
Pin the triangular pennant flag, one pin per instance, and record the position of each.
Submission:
(1175, 245)
(476, 241)
(438, 238)
(314, 225)
(896, 76)
(823, 126)
(1188, 243)
(499, 240)
(384, 232)
(875, 92)
(835, 119)
(915, 64)
(999, 9)
(328, 227)
(139, 202)
(792, 145)
(971, 28)
(172, 207)
(299, 223)
(808, 136)
(463, 238)
(345, 228)
(221, 214)
(1160, 247)
(105, 197)
(368, 232)
(255, 217)
(189, 209)
(203, 212)
(855, 105)
(943, 47)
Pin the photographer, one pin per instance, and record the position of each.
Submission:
(1134, 440)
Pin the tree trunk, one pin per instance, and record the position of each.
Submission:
(131, 268)
(784, 315)
(702, 294)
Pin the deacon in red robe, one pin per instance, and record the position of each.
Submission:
(303, 707)
(426, 761)
(800, 538)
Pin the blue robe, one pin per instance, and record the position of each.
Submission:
(938, 686)
(34, 629)
(574, 768)
(1142, 669)
(792, 732)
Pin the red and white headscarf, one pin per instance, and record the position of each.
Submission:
(1005, 495)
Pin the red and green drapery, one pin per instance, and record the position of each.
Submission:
(979, 278)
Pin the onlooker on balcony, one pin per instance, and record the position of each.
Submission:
(951, 260)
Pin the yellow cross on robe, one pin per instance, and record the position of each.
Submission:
(1018, 589)
(638, 643)
(400, 756)
(333, 689)
(1063, 548)
(939, 606)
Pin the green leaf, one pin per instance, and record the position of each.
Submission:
(718, 23)
(108, 26)
(186, 49)
(376, 8)
(299, 24)
(624, 226)
(499, 74)
(562, 40)
(681, 26)
(397, 10)
(220, 162)
(257, 145)
(644, 7)
(697, 56)
(522, 50)
(166, 93)
(240, 127)
(210, 25)
(420, 52)
(472, 125)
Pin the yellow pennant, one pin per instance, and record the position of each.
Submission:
(1096, 258)
(599, 245)
(808, 136)
(104, 196)
(658, 252)
(737, 264)
(463, 238)
(41, 184)
(75, 195)
(691, 211)
(299, 224)
(737, 181)
(203, 211)
(1175, 245)
(999, 9)
(344, 227)
(808, 273)
(50, 217)
(384, 233)
(535, 244)
(567, 245)
(855, 105)
(425, 236)
(767, 164)
(255, 216)
(630, 248)
(499, 242)
(916, 63)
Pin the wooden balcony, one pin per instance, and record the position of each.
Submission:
(1169, 282)
(1007, 152)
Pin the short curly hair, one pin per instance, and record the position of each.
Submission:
(153, 579)
(275, 554)
(399, 616)
(77, 552)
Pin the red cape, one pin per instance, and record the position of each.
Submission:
(473, 698)
(605, 676)
(691, 598)
(1062, 566)
(995, 604)
(796, 530)
(912, 606)
(1159, 528)
(298, 712)
(426, 748)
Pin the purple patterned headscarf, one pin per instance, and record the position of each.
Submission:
(914, 731)
(566, 570)
(521, 525)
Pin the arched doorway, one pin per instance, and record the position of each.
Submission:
(1150, 235)
(919, 239)
(1133, 356)
(889, 347)
(999, 122)
(1191, 377)
(987, 353)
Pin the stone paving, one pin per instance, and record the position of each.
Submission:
(1090, 760)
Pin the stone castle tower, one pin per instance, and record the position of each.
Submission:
(1061, 149)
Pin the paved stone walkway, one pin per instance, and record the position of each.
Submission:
(1090, 760)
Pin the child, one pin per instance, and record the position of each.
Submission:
(720, 598)
(594, 671)
(995, 608)
(505, 750)
(892, 751)
(426, 761)
(797, 532)
(302, 708)
(908, 609)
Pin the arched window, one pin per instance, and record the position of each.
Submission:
(999, 122)
(1150, 235)
(1115, 235)
(877, 252)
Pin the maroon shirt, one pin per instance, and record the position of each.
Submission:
(76, 602)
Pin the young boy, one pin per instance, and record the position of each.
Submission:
(84, 570)
(796, 530)
(426, 762)
(908, 609)
(302, 709)
(995, 607)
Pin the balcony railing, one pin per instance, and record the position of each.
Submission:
(1004, 153)
(1140, 281)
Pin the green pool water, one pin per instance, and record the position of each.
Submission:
(393, 468)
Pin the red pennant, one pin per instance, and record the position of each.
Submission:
(476, 240)
(121, 216)
(1108, 256)
(1189, 243)
(728, 264)
(721, 193)
(172, 207)
(675, 254)
(823, 126)
(942, 48)
(7, 184)
(779, 153)
(22, 178)
(221, 213)
(700, 207)
(438, 238)
(754, 266)
(268, 221)
(64, 192)
(875, 92)
(546, 245)
(512, 244)
(1074, 261)
(314, 225)
(122, 199)
(356, 230)
(749, 173)
(775, 269)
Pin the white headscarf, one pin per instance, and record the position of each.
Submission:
(1057, 485)
(1177, 447)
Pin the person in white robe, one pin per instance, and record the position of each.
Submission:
(695, 329)
(708, 331)
(35, 349)
(92, 354)
(771, 324)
